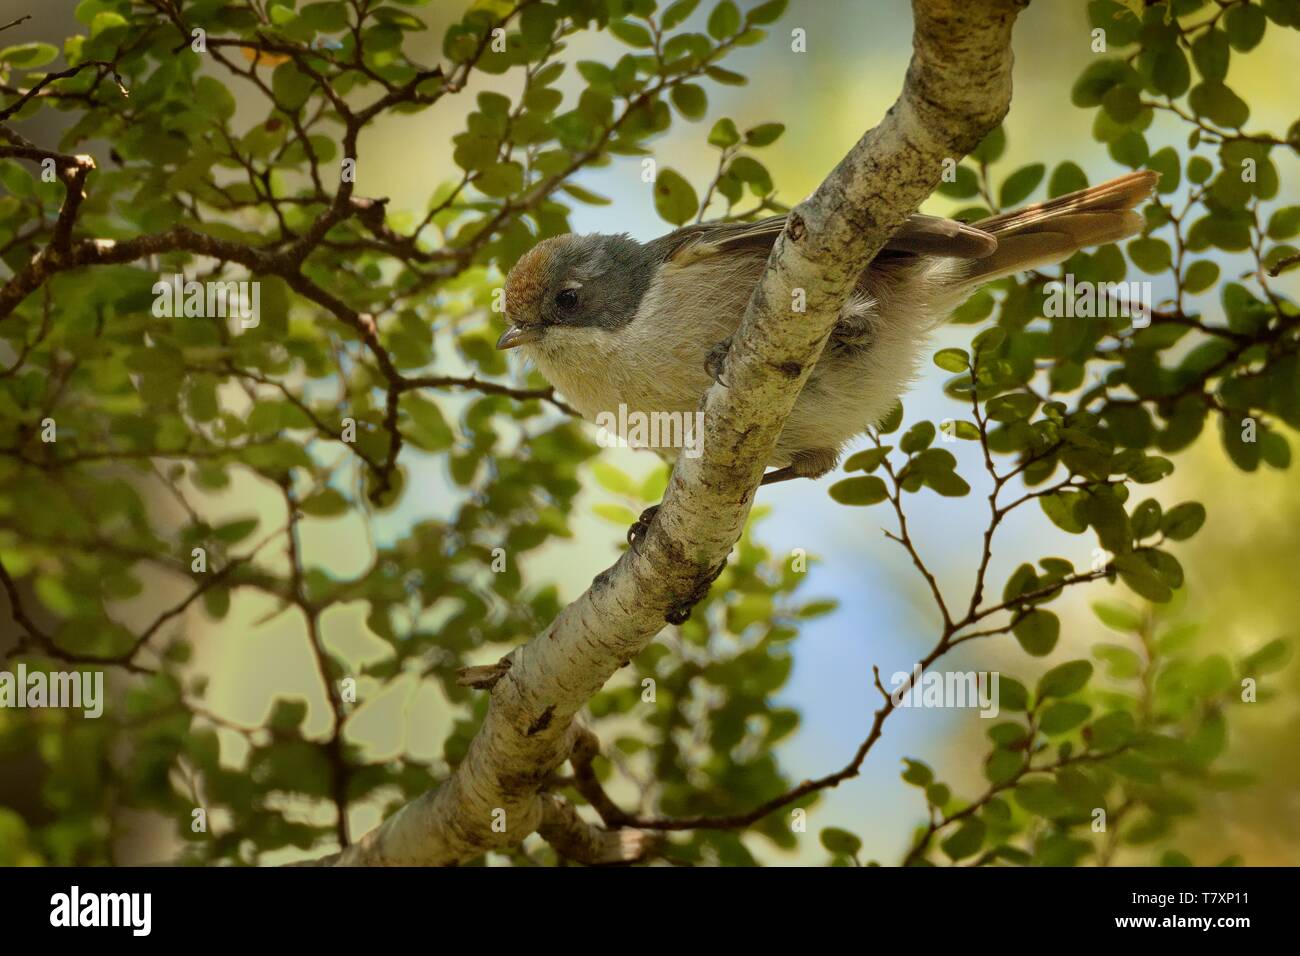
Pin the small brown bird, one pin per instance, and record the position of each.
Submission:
(610, 321)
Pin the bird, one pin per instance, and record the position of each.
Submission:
(611, 321)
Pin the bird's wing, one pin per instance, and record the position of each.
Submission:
(920, 235)
(946, 238)
(709, 238)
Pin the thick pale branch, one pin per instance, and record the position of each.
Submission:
(576, 839)
(958, 88)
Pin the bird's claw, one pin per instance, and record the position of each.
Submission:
(680, 613)
(641, 527)
(716, 360)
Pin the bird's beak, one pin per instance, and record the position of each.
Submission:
(517, 335)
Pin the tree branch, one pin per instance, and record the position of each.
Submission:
(958, 88)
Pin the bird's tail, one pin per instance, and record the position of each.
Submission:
(1048, 232)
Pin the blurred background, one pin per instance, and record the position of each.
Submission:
(1241, 568)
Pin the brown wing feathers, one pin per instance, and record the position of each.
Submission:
(1049, 232)
(1009, 242)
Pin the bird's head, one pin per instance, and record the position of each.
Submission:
(573, 282)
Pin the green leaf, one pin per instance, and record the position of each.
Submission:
(948, 484)
(615, 514)
(214, 98)
(326, 503)
(765, 134)
(1063, 716)
(427, 429)
(1014, 406)
(690, 100)
(1118, 617)
(676, 13)
(1007, 733)
(1150, 469)
(1012, 695)
(613, 479)
(1168, 70)
(1152, 256)
(1098, 79)
(1064, 680)
(1269, 658)
(1183, 521)
(1219, 103)
(1112, 730)
(1003, 766)
(1141, 578)
(1038, 632)
(1121, 663)
(725, 77)
(1107, 517)
(1200, 276)
(1199, 169)
(966, 841)
(1130, 149)
(991, 147)
(1061, 508)
(952, 359)
(1068, 177)
(893, 418)
(918, 774)
(29, 56)
(1123, 104)
(964, 184)
(325, 17)
(1041, 797)
(724, 133)
(766, 12)
(990, 340)
(232, 532)
(1021, 183)
(918, 438)
(1210, 53)
(675, 198)
(961, 428)
(1245, 25)
(582, 194)
(724, 21)
(1166, 162)
(749, 170)
(633, 34)
(1284, 223)
(291, 86)
(867, 460)
(975, 309)
(840, 841)
(287, 715)
(862, 490)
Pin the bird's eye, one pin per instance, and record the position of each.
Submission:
(567, 299)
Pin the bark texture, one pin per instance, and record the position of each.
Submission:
(958, 88)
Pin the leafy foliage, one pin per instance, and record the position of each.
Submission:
(374, 351)
(1091, 407)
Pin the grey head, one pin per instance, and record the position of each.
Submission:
(571, 282)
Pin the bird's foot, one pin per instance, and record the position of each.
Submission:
(641, 527)
(812, 463)
(680, 613)
(716, 360)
